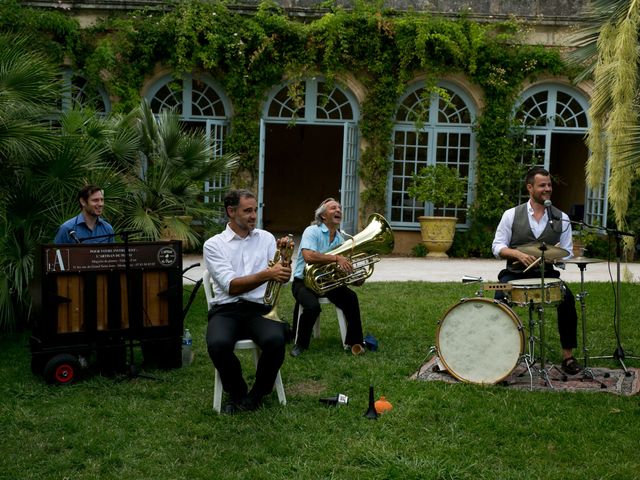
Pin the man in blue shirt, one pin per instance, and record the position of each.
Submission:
(322, 236)
(87, 227)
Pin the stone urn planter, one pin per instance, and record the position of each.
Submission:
(443, 187)
(437, 234)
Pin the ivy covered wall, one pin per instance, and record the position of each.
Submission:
(249, 54)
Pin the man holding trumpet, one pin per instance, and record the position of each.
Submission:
(538, 221)
(238, 260)
(323, 235)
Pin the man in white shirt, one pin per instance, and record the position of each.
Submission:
(238, 261)
(530, 222)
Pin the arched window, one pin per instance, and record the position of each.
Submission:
(192, 97)
(430, 128)
(201, 105)
(552, 107)
(555, 121)
(311, 100)
(80, 94)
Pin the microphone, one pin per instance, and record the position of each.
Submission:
(74, 237)
(547, 206)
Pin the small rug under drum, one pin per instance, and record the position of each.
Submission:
(606, 379)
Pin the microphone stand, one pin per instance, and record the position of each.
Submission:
(76, 239)
(74, 236)
(619, 353)
(544, 371)
(133, 371)
(587, 372)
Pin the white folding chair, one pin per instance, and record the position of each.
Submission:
(342, 322)
(240, 345)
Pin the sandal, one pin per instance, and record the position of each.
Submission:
(570, 366)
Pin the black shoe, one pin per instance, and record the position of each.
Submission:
(231, 408)
(297, 350)
(570, 366)
(250, 403)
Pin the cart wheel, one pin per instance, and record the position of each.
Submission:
(62, 369)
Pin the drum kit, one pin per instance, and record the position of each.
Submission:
(482, 341)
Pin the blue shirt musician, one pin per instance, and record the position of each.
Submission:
(88, 226)
(321, 237)
(238, 260)
(530, 222)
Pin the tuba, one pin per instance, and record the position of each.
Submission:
(363, 250)
(272, 293)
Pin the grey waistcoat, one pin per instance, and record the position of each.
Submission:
(521, 234)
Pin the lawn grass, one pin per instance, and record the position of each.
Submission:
(165, 429)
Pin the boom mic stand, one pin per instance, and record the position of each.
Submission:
(74, 236)
(133, 371)
(619, 353)
(544, 371)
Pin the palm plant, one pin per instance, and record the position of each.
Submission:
(608, 49)
(151, 171)
(27, 87)
(43, 166)
(92, 150)
(165, 191)
(109, 149)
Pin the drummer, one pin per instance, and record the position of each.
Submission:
(528, 223)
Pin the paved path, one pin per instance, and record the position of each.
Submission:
(399, 269)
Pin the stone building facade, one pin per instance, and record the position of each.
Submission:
(554, 110)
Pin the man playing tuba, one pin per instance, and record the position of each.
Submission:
(323, 235)
(238, 260)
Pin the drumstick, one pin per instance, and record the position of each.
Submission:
(536, 261)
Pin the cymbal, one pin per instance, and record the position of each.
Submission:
(583, 260)
(551, 253)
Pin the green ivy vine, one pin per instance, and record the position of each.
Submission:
(249, 54)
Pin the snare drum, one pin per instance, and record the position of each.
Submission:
(480, 340)
(529, 290)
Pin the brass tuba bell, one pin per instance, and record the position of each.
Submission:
(363, 250)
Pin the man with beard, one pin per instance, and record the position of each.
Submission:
(530, 222)
(88, 226)
(323, 235)
(238, 262)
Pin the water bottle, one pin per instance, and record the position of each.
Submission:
(187, 350)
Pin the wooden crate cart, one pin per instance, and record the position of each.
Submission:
(94, 302)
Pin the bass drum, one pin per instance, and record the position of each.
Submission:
(480, 340)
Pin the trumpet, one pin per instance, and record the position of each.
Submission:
(272, 293)
(363, 250)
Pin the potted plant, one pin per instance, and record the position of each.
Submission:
(443, 187)
(165, 191)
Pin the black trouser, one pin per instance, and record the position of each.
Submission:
(566, 309)
(342, 297)
(231, 322)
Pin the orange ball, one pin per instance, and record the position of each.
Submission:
(382, 405)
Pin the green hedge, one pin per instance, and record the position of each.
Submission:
(249, 54)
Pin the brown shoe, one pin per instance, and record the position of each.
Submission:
(570, 366)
